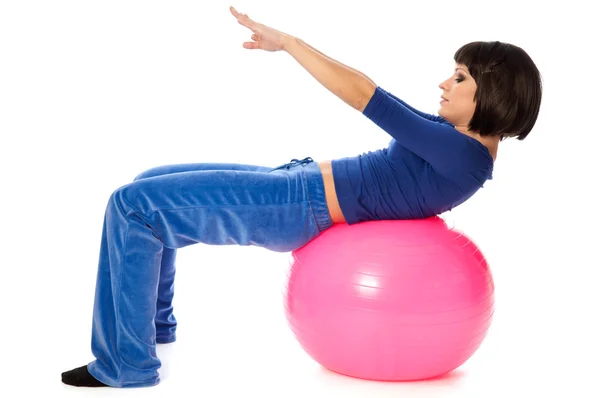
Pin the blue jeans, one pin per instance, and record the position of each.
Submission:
(170, 207)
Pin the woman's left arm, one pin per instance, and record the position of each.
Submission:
(353, 87)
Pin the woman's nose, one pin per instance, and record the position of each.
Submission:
(443, 85)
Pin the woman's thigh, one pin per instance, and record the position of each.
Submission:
(221, 207)
(184, 167)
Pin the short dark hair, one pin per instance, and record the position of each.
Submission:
(509, 88)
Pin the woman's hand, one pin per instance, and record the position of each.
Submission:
(265, 38)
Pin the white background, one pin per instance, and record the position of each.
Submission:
(94, 92)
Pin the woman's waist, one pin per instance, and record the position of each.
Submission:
(330, 193)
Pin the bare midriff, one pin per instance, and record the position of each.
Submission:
(331, 196)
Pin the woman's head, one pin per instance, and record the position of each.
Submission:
(496, 90)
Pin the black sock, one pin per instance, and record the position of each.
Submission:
(80, 377)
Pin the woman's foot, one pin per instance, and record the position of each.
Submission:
(80, 377)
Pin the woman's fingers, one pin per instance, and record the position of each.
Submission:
(259, 33)
(251, 45)
(243, 19)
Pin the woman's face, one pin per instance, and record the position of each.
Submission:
(459, 92)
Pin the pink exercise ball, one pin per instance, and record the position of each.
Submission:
(390, 300)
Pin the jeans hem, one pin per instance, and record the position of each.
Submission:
(168, 338)
(97, 374)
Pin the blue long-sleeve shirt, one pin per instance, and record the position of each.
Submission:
(428, 168)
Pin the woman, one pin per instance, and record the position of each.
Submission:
(432, 164)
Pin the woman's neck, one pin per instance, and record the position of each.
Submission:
(490, 142)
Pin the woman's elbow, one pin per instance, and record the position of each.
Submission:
(365, 94)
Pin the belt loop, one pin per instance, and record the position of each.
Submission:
(293, 162)
(306, 160)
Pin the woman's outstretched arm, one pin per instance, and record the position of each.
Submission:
(350, 85)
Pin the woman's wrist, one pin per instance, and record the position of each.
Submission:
(288, 40)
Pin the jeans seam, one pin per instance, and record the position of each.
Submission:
(149, 214)
(309, 201)
(117, 306)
